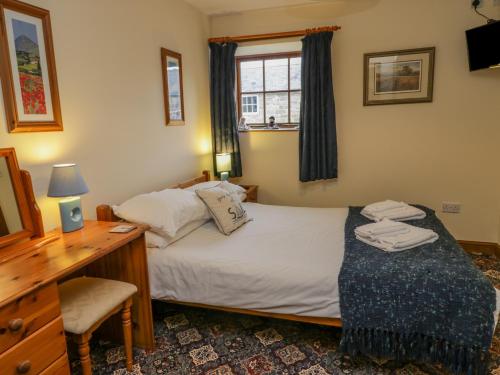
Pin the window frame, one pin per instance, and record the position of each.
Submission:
(267, 56)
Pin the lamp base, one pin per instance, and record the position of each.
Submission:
(71, 214)
(224, 176)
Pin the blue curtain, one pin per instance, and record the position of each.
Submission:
(225, 136)
(318, 134)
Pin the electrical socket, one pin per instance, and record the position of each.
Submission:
(452, 207)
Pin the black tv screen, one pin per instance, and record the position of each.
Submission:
(484, 46)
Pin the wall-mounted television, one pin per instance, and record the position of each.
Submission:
(484, 46)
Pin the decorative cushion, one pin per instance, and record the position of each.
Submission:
(229, 187)
(86, 300)
(164, 211)
(225, 208)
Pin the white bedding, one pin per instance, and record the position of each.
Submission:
(285, 261)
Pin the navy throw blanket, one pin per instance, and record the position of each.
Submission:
(428, 304)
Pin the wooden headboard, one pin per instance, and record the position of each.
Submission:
(105, 211)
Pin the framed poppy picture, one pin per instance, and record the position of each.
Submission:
(28, 69)
(173, 93)
(398, 77)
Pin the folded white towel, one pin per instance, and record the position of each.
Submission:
(383, 227)
(402, 237)
(383, 206)
(403, 213)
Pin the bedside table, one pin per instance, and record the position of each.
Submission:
(252, 191)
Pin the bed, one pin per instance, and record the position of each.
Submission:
(284, 264)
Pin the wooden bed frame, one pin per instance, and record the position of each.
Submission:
(105, 213)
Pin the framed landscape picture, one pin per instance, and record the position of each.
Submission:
(173, 92)
(397, 77)
(28, 70)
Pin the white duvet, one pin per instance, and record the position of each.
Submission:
(287, 260)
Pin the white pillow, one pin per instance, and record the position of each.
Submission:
(234, 189)
(226, 209)
(204, 185)
(229, 187)
(156, 241)
(164, 211)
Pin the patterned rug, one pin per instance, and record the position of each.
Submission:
(197, 341)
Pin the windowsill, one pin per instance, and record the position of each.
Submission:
(269, 130)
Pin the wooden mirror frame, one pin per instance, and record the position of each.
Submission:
(27, 207)
(165, 53)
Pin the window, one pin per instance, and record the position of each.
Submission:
(249, 104)
(269, 85)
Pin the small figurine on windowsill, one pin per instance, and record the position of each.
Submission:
(272, 123)
(243, 124)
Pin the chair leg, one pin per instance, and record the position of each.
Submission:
(127, 332)
(84, 352)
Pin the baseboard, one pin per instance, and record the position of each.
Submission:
(489, 248)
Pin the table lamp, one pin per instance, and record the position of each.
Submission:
(223, 162)
(66, 181)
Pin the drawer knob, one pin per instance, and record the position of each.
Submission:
(15, 325)
(23, 367)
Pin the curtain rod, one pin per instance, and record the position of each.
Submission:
(286, 34)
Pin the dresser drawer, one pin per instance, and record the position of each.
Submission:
(37, 352)
(23, 317)
(59, 367)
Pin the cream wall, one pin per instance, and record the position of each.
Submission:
(109, 72)
(426, 153)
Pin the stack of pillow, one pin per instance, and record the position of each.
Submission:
(172, 214)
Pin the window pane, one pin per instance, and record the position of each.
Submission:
(252, 108)
(295, 73)
(276, 74)
(295, 106)
(252, 76)
(277, 106)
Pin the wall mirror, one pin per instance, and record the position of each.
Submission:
(16, 222)
(173, 92)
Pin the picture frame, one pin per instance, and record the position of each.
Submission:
(399, 77)
(173, 90)
(28, 69)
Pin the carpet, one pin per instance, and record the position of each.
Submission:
(198, 341)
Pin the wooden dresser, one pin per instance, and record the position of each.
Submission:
(32, 335)
(32, 339)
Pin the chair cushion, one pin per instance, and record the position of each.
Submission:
(86, 300)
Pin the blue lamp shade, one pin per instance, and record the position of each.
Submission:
(223, 163)
(67, 182)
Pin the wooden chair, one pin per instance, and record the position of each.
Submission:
(86, 302)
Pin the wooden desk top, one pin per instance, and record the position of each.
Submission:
(35, 267)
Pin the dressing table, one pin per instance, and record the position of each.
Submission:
(32, 339)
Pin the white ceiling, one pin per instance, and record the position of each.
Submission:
(213, 7)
